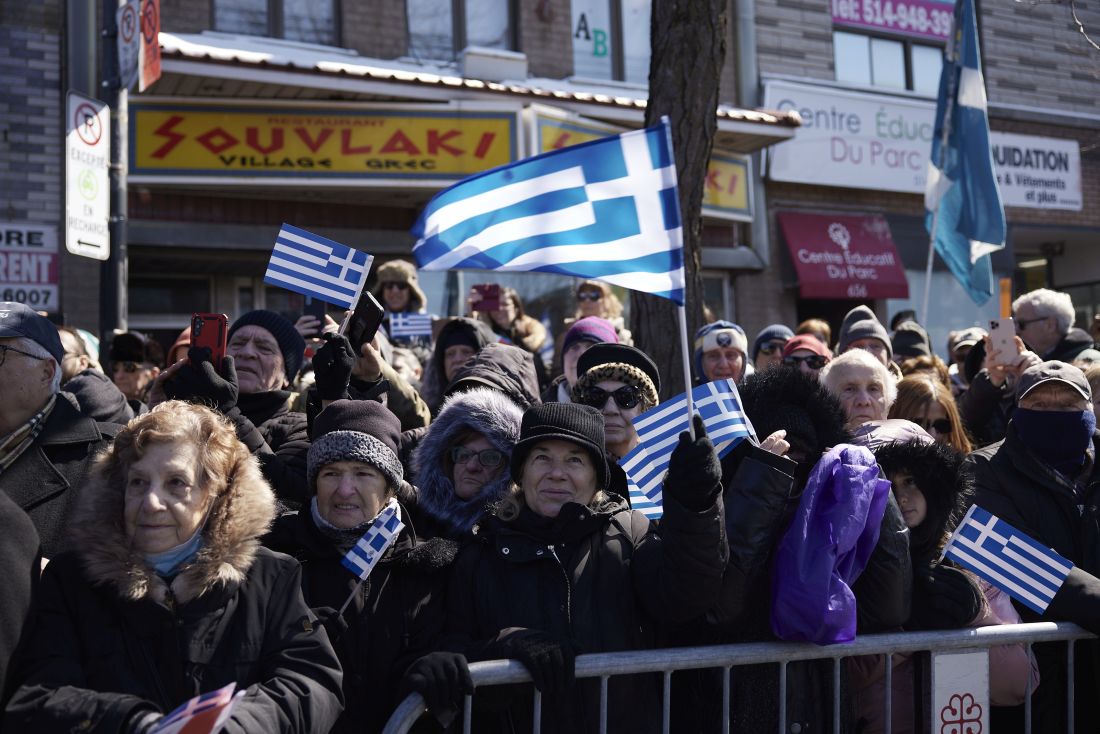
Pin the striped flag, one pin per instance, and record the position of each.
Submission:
(363, 556)
(410, 325)
(659, 430)
(203, 714)
(607, 209)
(1008, 559)
(312, 265)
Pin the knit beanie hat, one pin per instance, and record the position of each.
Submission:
(464, 331)
(911, 340)
(808, 342)
(860, 323)
(356, 430)
(591, 329)
(718, 334)
(291, 343)
(621, 363)
(775, 332)
(401, 271)
(578, 424)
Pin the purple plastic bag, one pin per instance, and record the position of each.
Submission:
(827, 547)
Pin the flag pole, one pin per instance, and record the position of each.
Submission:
(687, 367)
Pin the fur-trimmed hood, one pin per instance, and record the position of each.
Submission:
(486, 411)
(238, 517)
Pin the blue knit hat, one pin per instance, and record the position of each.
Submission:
(774, 332)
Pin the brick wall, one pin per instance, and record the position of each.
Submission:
(375, 28)
(186, 16)
(794, 37)
(546, 37)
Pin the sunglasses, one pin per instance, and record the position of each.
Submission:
(1024, 323)
(589, 296)
(940, 425)
(772, 347)
(626, 397)
(395, 284)
(814, 361)
(488, 458)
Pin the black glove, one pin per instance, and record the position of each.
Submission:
(141, 721)
(943, 598)
(442, 678)
(198, 382)
(694, 474)
(550, 661)
(332, 366)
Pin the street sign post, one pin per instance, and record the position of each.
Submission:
(87, 191)
(150, 43)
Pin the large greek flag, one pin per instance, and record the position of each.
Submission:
(315, 266)
(962, 184)
(1008, 559)
(606, 209)
(659, 429)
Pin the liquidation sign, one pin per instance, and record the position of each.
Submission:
(184, 141)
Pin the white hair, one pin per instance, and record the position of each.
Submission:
(1046, 302)
(33, 348)
(861, 358)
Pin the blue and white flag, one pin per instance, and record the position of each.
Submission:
(363, 556)
(203, 714)
(962, 184)
(410, 325)
(315, 266)
(1008, 559)
(607, 209)
(659, 430)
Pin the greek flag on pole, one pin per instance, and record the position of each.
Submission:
(606, 209)
(312, 265)
(659, 430)
(362, 557)
(409, 325)
(1008, 559)
(203, 714)
(962, 183)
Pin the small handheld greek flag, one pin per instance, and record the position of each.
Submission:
(410, 325)
(659, 430)
(363, 556)
(204, 714)
(1008, 559)
(315, 266)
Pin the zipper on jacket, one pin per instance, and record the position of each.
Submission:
(568, 587)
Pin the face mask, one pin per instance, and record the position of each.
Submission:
(1058, 438)
(166, 562)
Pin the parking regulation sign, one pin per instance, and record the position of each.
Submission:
(87, 186)
(128, 19)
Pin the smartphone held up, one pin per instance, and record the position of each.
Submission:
(210, 330)
(1002, 340)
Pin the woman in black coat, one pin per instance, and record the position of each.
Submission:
(169, 595)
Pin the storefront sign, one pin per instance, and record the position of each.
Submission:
(726, 195)
(289, 144)
(916, 18)
(29, 265)
(843, 256)
(87, 186)
(869, 141)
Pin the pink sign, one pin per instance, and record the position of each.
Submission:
(920, 18)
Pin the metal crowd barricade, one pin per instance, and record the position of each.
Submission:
(727, 657)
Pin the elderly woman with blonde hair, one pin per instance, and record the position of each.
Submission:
(168, 594)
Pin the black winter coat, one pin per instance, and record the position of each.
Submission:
(46, 479)
(20, 564)
(98, 398)
(601, 577)
(395, 617)
(280, 441)
(1013, 484)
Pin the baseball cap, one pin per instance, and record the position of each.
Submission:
(967, 337)
(1053, 371)
(17, 320)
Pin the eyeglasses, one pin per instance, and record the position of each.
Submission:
(589, 296)
(488, 458)
(772, 347)
(130, 367)
(4, 349)
(1023, 323)
(395, 284)
(940, 425)
(814, 361)
(626, 397)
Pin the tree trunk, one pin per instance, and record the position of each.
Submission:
(688, 40)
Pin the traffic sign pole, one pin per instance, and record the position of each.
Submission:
(113, 305)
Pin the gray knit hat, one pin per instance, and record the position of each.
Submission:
(860, 323)
(356, 430)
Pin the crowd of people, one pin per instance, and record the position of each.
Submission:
(172, 525)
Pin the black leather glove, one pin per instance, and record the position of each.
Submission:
(198, 382)
(442, 678)
(332, 366)
(550, 661)
(943, 598)
(694, 475)
(141, 721)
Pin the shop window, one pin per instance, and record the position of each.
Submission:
(889, 63)
(310, 21)
(434, 33)
(168, 295)
(611, 39)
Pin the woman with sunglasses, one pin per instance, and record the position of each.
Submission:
(924, 401)
(807, 354)
(622, 383)
(461, 463)
(399, 291)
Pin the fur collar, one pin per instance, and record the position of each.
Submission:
(487, 411)
(238, 517)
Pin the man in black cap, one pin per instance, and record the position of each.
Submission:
(46, 445)
(1044, 480)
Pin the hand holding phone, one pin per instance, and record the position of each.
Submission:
(210, 330)
(1002, 341)
(364, 321)
(490, 297)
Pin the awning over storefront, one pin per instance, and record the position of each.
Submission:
(843, 256)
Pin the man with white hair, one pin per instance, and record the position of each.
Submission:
(863, 385)
(46, 445)
(1044, 320)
